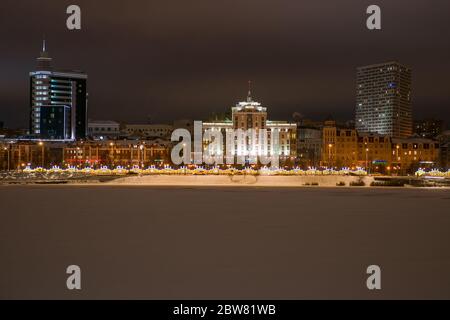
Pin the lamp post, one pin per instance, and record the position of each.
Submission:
(329, 154)
(367, 160)
(42, 153)
(142, 155)
(397, 160)
(112, 154)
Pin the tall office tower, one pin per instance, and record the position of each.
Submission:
(383, 99)
(58, 102)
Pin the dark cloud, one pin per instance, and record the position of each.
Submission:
(178, 59)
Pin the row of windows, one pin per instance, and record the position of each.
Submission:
(102, 129)
(339, 133)
(148, 130)
(371, 139)
(410, 153)
(417, 146)
(116, 151)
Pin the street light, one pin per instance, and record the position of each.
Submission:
(111, 156)
(367, 160)
(142, 155)
(397, 158)
(42, 155)
(7, 149)
(329, 154)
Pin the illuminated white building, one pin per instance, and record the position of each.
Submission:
(250, 119)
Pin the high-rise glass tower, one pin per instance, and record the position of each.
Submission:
(58, 102)
(383, 99)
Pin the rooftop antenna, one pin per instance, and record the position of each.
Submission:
(44, 44)
(249, 95)
(44, 47)
(44, 61)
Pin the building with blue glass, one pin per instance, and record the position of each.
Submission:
(58, 102)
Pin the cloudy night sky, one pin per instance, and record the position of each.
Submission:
(187, 59)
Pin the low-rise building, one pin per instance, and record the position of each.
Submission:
(339, 146)
(148, 130)
(409, 154)
(16, 154)
(118, 153)
(105, 129)
(309, 143)
(345, 147)
(374, 152)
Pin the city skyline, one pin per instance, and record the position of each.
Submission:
(184, 76)
(224, 159)
(48, 65)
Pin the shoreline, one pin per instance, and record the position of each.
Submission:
(239, 181)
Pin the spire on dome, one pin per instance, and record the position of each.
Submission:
(249, 95)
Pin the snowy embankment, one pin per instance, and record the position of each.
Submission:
(241, 180)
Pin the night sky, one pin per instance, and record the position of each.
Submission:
(187, 59)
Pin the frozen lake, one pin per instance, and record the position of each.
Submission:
(223, 243)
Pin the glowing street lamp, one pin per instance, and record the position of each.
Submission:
(367, 159)
(142, 156)
(397, 158)
(329, 154)
(41, 144)
(111, 156)
(7, 149)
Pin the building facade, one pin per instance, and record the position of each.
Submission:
(251, 115)
(345, 147)
(383, 100)
(115, 153)
(103, 129)
(55, 122)
(16, 155)
(148, 130)
(309, 143)
(58, 102)
(339, 146)
(409, 154)
(374, 152)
